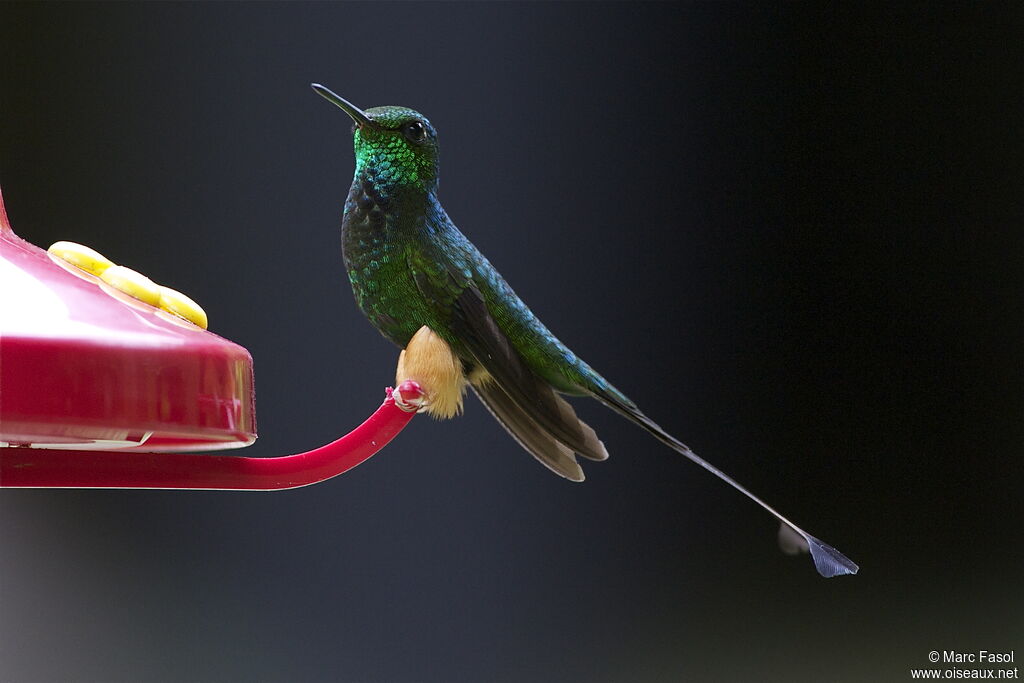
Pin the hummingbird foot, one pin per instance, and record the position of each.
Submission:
(410, 396)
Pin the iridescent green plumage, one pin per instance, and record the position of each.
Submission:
(398, 243)
(410, 266)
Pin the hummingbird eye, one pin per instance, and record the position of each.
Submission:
(414, 131)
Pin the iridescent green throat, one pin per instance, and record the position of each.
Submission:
(390, 160)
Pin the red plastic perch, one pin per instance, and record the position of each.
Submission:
(43, 468)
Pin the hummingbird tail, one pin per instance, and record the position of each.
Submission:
(827, 560)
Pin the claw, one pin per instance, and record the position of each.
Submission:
(410, 396)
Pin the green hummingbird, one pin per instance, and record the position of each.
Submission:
(425, 287)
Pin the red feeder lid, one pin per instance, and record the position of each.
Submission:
(83, 365)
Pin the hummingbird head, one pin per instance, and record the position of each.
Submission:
(396, 146)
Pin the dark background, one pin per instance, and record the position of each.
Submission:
(792, 235)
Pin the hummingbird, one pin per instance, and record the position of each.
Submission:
(430, 291)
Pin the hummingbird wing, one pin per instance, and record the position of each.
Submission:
(554, 455)
(524, 403)
(477, 329)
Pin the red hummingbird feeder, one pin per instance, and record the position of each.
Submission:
(101, 390)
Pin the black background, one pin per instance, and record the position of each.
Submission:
(792, 235)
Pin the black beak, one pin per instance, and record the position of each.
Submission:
(357, 114)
